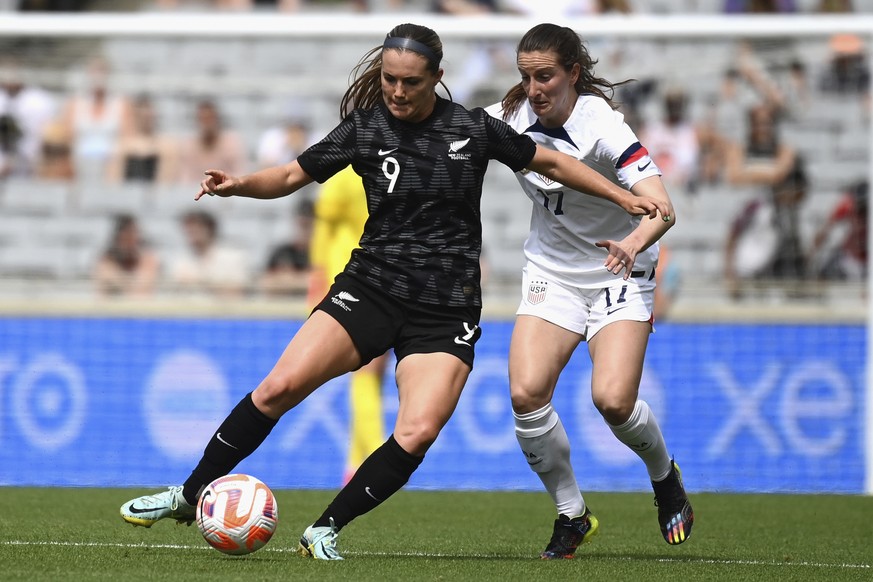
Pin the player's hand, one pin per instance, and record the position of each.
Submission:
(648, 206)
(621, 257)
(216, 183)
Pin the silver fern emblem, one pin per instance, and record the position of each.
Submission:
(456, 146)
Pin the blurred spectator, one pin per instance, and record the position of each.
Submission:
(11, 161)
(232, 5)
(96, 118)
(283, 143)
(211, 146)
(52, 5)
(754, 73)
(759, 6)
(836, 6)
(846, 260)
(127, 266)
(287, 271)
(549, 11)
(143, 155)
(208, 268)
(25, 111)
(280, 5)
(764, 159)
(744, 86)
(343, 5)
(764, 241)
(847, 70)
(464, 7)
(672, 141)
(56, 153)
(797, 91)
(316, 5)
(614, 6)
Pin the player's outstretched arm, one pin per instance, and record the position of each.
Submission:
(622, 254)
(573, 173)
(265, 184)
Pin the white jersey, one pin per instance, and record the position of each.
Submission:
(565, 223)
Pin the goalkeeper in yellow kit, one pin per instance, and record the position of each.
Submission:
(340, 214)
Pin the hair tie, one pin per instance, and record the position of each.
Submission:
(410, 44)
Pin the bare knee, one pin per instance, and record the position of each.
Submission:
(528, 396)
(275, 395)
(614, 410)
(417, 439)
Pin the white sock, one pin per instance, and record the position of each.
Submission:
(546, 448)
(642, 435)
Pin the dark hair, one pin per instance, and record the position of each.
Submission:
(122, 222)
(126, 258)
(366, 89)
(796, 178)
(305, 208)
(203, 218)
(10, 133)
(571, 50)
(859, 191)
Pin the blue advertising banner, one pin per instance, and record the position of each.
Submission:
(124, 402)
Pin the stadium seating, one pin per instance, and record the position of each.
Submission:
(52, 229)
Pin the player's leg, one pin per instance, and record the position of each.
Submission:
(367, 425)
(617, 352)
(538, 352)
(429, 386)
(434, 349)
(322, 349)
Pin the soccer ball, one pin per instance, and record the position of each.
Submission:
(237, 514)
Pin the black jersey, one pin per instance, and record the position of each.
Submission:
(423, 180)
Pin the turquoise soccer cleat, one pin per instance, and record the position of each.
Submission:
(319, 543)
(145, 511)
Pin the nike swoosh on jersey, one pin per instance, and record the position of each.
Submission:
(616, 309)
(643, 167)
(386, 152)
(459, 341)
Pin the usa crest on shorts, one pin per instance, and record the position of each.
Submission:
(536, 292)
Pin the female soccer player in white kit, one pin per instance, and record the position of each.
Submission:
(590, 275)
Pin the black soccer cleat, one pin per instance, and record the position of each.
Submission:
(675, 515)
(569, 534)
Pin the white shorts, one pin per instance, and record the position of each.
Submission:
(586, 311)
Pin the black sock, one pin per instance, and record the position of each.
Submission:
(381, 475)
(243, 431)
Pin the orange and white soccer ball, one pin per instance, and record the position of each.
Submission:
(237, 514)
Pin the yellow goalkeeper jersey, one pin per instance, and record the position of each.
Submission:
(340, 214)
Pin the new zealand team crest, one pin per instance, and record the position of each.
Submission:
(536, 293)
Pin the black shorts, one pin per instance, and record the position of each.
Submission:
(376, 322)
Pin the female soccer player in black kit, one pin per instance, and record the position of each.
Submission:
(413, 285)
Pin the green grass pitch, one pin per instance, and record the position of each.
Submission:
(77, 534)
